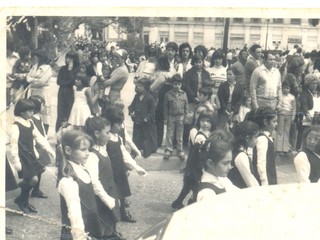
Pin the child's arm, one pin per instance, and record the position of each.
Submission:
(302, 166)
(92, 165)
(91, 99)
(130, 142)
(43, 142)
(15, 159)
(157, 83)
(69, 189)
(165, 109)
(243, 165)
(294, 106)
(262, 148)
(130, 162)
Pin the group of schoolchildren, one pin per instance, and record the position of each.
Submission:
(93, 167)
(226, 151)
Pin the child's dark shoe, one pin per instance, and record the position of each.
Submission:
(38, 194)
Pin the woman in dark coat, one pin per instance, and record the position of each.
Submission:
(65, 80)
(142, 111)
(309, 104)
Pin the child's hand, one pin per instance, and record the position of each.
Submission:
(145, 120)
(17, 166)
(111, 202)
(138, 154)
(141, 171)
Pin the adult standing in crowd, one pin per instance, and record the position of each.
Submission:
(293, 75)
(119, 75)
(158, 89)
(65, 80)
(39, 77)
(309, 104)
(147, 67)
(238, 67)
(185, 53)
(20, 71)
(202, 51)
(265, 84)
(254, 60)
(171, 51)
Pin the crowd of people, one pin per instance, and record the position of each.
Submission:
(233, 114)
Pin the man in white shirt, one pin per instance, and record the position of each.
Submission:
(265, 84)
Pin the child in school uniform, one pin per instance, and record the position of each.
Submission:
(83, 102)
(79, 211)
(216, 161)
(204, 126)
(286, 116)
(175, 108)
(307, 161)
(24, 156)
(142, 112)
(241, 175)
(263, 158)
(44, 158)
(120, 160)
(100, 170)
(127, 139)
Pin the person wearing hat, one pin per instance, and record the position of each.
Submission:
(39, 78)
(175, 108)
(119, 75)
(142, 112)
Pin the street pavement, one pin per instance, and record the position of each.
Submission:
(151, 195)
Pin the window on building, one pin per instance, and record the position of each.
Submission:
(238, 20)
(254, 38)
(180, 37)
(218, 40)
(255, 20)
(182, 19)
(219, 20)
(164, 36)
(199, 19)
(295, 21)
(197, 38)
(164, 19)
(278, 20)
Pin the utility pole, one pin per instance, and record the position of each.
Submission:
(267, 35)
(226, 35)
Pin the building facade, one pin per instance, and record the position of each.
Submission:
(276, 33)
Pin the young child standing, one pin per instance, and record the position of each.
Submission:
(100, 170)
(44, 158)
(244, 108)
(263, 153)
(286, 116)
(120, 160)
(83, 102)
(193, 171)
(307, 161)
(24, 155)
(142, 112)
(79, 212)
(175, 110)
(241, 175)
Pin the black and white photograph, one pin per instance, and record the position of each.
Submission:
(160, 123)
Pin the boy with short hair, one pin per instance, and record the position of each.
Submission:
(175, 109)
(204, 96)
